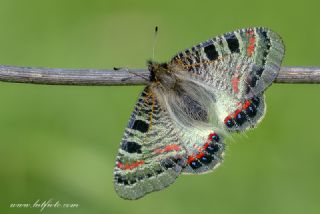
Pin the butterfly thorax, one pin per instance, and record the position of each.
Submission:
(162, 73)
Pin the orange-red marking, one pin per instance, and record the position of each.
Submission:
(191, 158)
(172, 147)
(246, 104)
(129, 166)
(227, 119)
(235, 83)
(250, 48)
(201, 153)
(236, 112)
(249, 32)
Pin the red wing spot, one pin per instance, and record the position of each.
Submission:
(227, 118)
(172, 147)
(249, 32)
(206, 145)
(246, 105)
(158, 151)
(239, 104)
(168, 148)
(235, 83)
(190, 159)
(237, 111)
(200, 155)
(250, 48)
(130, 166)
(194, 157)
(210, 138)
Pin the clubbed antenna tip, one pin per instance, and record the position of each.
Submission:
(154, 41)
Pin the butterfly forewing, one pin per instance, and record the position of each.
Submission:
(155, 149)
(151, 155)
(236, 67)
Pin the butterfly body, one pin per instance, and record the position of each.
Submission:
(191, 104)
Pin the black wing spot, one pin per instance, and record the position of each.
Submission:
(211, 52)
(268, 45)
(149, 175)
(257, 70)
(167, 164)
(240, 118)
(132, 181)
(190, 60)
(212, 148)
(251, 111)
(253, 81)
(230, 123)
(206, 159)
(131, 147)
(159, 171)
(195, 164)
(233, 43)
(256, 101)
(140, 126)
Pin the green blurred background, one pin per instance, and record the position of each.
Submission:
(60, 142)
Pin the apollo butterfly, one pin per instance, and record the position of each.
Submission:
(191, 104)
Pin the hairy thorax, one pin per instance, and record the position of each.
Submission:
(163, 74)
(186, 101)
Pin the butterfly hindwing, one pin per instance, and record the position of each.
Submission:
(247, 114)
(236, 67)
(188, 107)
(151, 155)
(204, 153)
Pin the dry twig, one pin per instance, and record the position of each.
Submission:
(59, 76)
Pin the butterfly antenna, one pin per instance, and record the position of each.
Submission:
(154, 41)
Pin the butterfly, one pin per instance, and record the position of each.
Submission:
(190, 106)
